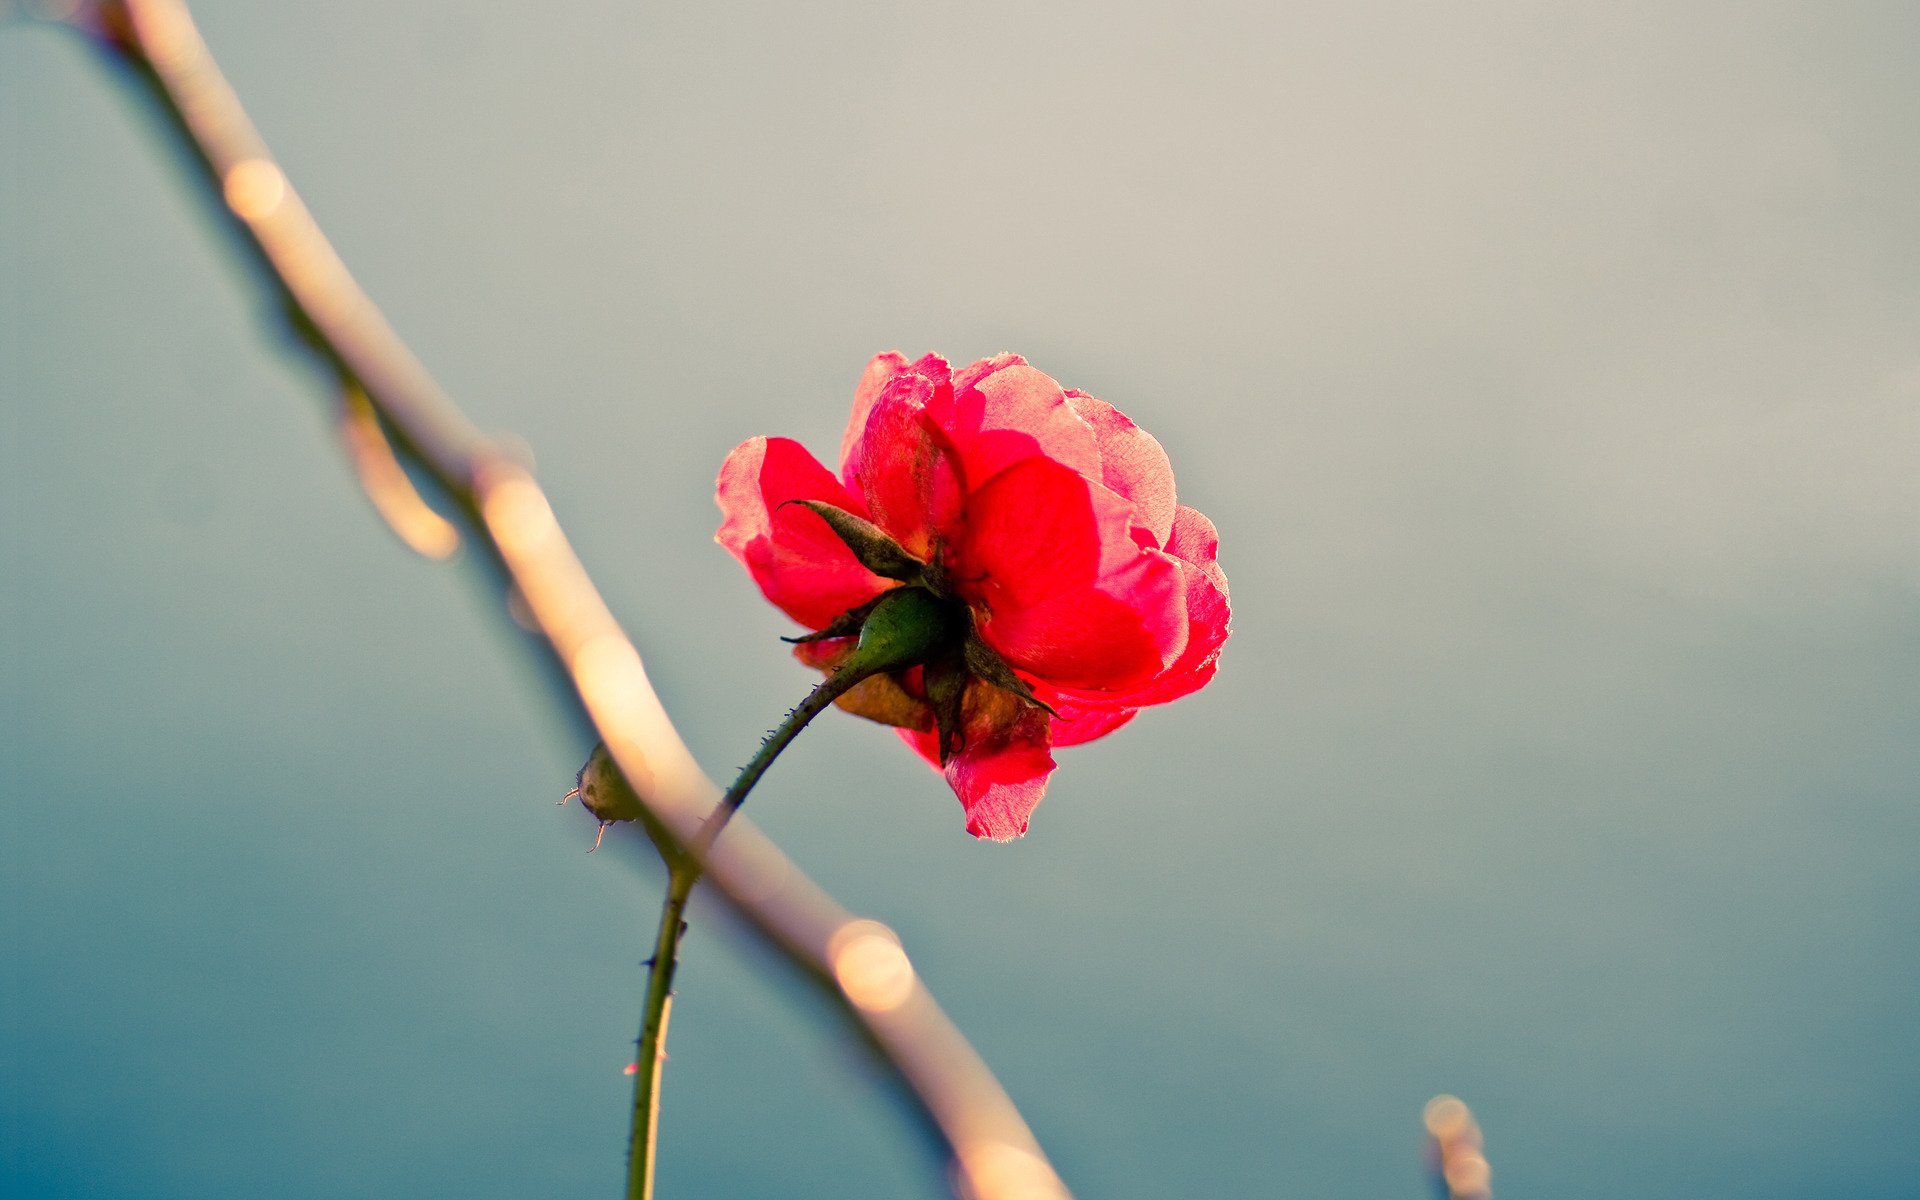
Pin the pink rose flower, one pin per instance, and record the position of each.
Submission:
(1046, 522)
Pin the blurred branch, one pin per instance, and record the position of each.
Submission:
(1455, 1150)
(599, 675)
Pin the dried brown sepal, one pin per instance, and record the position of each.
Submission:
(881, 698)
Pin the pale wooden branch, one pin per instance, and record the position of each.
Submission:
(602, 682)
(1456, 1151)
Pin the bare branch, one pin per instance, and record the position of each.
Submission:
(860, 963)
(1456, 1150)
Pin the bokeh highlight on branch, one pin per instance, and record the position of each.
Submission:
(1456, 1150)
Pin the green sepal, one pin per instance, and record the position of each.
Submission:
(983, 660)
(846, 624)
(907, 627)
(946, 681)
(876, 550)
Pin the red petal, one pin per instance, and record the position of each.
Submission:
(1000, 787)
(1000, 772)
(1076, 725)
(925, 743)
(1131, 463)
(1003, 763)
(1040, 528)
(1209, 614)
(800, 565)
(903, 472)
(1195, 539)
(1097, 640)
(973, 373)
(1001, 411)
(1071, 597)
(1209, 622)
(879, 373)
(824, 655)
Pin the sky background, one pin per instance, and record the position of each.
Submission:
(1552, 373)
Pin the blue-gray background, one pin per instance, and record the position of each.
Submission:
(1553, 375)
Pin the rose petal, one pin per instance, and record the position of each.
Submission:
(1000, 785)
(800, 565)
(1075, 725)
(1001, 411)
(1040, 528)
(1209, 622)
(1132, 463)
(1195, 539)
(1209, 610)
(1195, 542)
(825, 654)
(1000, 772)
(1090, 639)
(873, 382)
(880, 371)
(903, 471)
(1071, 597)
(1207, 631)
(973, 373)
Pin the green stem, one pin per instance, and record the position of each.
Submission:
(682, 873)
(830, 689)
(643, 1141)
